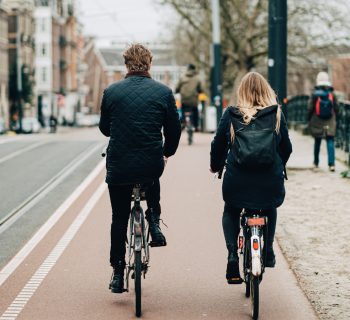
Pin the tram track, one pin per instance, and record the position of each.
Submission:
(21, 151)
(39, 194)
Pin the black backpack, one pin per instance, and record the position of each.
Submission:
(255, 149)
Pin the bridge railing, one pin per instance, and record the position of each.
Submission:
(297, 118)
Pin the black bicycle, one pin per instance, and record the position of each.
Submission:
(189, 127)
(138, 244)
(138, 247)
(251, 244)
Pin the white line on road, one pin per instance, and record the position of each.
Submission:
(17, 153)
(33, 199)
(41, 233)
(17, 305)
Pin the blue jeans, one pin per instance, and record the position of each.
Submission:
(330, 150)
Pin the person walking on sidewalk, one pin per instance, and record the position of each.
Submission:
(322, 117)
(134, 112)
(252, 138)
(189, 88)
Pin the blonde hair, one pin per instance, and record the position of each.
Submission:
(254, 93)
(137, 58)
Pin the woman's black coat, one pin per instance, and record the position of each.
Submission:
(247, 189)
(134, 112)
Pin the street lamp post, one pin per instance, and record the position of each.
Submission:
(216, 93)
(277, 61)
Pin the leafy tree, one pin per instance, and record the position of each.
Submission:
(316, 28)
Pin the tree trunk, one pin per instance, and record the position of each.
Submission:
(240, 74)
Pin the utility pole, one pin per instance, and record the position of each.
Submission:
(277, 62)
(216, 94)
(19, 71)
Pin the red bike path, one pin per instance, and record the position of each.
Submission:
(185, 279)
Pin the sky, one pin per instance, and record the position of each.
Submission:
(124, 21)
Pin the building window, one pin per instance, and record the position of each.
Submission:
(44, 75)
(44, 50)
(42, 24)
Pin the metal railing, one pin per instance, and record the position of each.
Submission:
(297, 115)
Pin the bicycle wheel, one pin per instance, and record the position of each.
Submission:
(254, 288)
(246, 262)
(137, 271)
(190, 136)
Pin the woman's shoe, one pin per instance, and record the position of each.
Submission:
(232, 271)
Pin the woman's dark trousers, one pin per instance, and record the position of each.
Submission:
(231, 225)
(121, 205)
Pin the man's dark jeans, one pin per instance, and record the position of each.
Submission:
(330, 150)
(121, 205)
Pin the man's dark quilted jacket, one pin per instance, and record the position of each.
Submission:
(133, 113)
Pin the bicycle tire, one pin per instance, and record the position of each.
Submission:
(246, 257)
(247, 286)
(254, 284)
(137, 273)
(190, 136)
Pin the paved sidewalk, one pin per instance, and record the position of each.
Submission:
(186, 279)
(302, 156)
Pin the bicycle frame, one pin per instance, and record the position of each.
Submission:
(138, 235)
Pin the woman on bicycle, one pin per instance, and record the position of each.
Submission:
(251, 181)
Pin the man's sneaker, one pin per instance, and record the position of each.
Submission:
(331, 168)
(158, 239)
(232, 270)
(117, 281)
(270, 258)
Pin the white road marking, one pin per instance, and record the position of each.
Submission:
(17, 153)
(41, 233)
(18, 304)
(33, 199)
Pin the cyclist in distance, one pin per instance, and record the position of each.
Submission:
(252, 138)
(189, 88)
(134, 112)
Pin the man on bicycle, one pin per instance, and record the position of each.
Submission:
(134, 112)
(189, 88)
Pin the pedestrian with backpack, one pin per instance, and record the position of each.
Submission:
(252, 139)
(322, 115)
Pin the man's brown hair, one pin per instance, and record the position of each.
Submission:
(137, 58)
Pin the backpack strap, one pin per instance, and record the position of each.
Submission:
(318, 103)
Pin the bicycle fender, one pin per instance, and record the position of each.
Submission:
(256, 255)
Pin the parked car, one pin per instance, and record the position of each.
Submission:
(87, 120)
(30, 125)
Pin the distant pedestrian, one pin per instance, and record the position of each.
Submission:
(53, 124)
(140, 117)
(189, 88)
(252, 138)
(322, 116)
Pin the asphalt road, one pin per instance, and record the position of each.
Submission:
(186, 279)
(27, 165)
